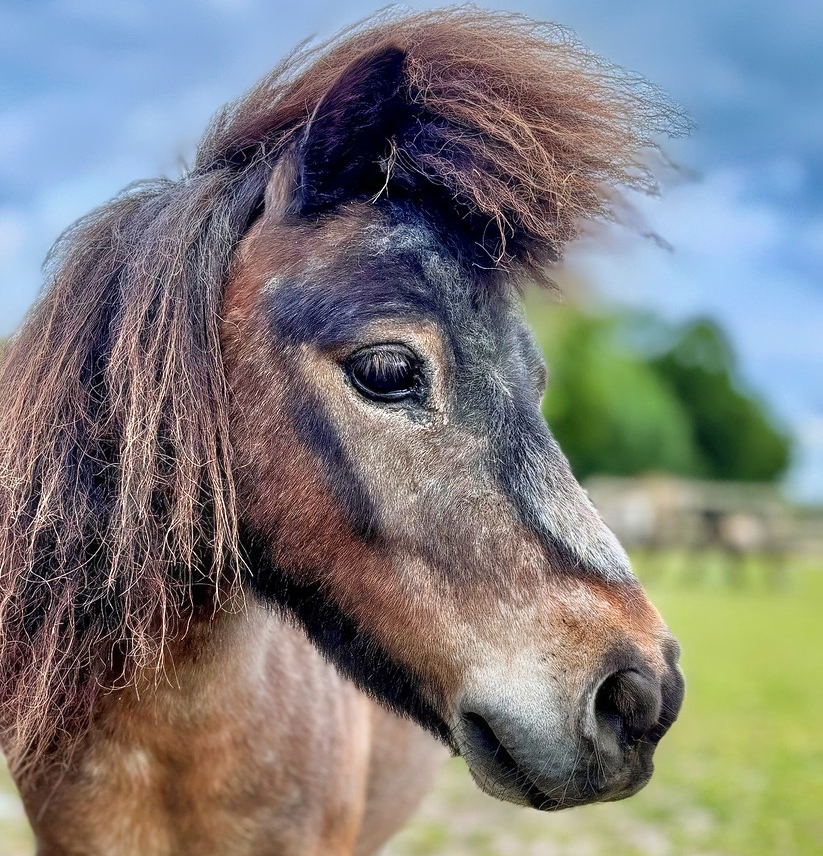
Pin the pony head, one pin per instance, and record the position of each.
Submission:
(302, 372)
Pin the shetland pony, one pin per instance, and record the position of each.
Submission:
(278, 504)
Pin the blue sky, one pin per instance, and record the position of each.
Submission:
(94, 95)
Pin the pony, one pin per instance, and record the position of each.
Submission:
(280, 517)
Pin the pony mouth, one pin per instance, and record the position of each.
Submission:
(501, 775)
(496, 772)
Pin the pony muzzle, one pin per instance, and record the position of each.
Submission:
(538, 746)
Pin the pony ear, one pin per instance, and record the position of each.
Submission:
(339, 154)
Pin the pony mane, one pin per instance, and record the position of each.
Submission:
(117, 508)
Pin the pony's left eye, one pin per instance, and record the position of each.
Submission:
(385, 373)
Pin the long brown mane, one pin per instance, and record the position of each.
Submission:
(116, 496)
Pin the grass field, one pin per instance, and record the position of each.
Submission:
(740, 774)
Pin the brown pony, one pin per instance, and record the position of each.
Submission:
(273, 467)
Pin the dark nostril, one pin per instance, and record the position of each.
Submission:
(628, 703)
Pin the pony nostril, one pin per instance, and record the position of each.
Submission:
(628, 704)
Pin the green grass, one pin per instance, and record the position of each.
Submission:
(740, 774)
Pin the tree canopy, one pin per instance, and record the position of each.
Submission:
(629, 394)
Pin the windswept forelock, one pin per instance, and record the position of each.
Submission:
(528, 134)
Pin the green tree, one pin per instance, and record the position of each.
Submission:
(735, 435)
(628, 394)
(608, 408)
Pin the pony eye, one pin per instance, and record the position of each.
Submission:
(386, 373)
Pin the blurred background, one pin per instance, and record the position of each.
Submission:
(686, 368)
